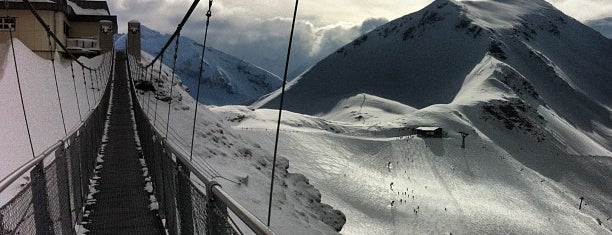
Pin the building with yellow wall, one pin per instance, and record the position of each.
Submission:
(85, 27)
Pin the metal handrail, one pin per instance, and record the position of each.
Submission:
(249, 219)
(211, 186)
(12, 177)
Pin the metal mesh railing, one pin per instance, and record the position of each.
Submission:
(189, 202)
(50, 201)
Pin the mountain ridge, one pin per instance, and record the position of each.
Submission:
(604, 26)
(534, 83)
(412, 55)
(226, 80)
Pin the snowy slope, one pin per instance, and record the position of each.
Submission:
(529, 84)
(480, 190)
(422, 58)
(515, 176)
(41, 104)
(604, 26)
(297, 207)
(227, 80)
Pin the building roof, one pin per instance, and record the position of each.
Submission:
(83, 11)
(428, 128)
(89, 7)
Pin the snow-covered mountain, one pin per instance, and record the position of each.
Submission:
(423, 58)
(226, 79)
(431, 56)
(529, 84)
(297, 206)
(604, 26)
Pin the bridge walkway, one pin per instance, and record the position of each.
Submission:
(121, 205)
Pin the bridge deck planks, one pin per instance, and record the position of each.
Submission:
(122, 205)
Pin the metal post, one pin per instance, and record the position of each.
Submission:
(2, 224)
(217, 219)
(170, 183)
(184, 198)
(39, 200)
(75, 166)
(159, 174)
(92, 144)
(63, 189)
(84, 166)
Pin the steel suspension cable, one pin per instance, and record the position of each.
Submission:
(97, 78)
(93, 89)
(280, 110)
(98, 81)
(155, 95)
(176, 46)
(177, 31)
(75, 90)
(149, 93)
(208, 15)
(25, 116)
(85, 83)
(59, 99)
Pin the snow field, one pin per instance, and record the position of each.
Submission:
(481, 189)
(229, 159)
(41, 104)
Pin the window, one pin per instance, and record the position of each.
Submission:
(7, 23)
(66, 29)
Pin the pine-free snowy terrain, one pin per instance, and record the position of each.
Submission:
(41, 104)
(241, 166)
(530, 86)
(297, 206)
(226, 80)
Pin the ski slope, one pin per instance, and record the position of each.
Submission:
(438, 187)
(241, 166)
(529, 85)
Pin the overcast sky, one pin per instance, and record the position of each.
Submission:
(257, 30)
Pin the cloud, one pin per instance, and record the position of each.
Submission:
(258, 31)
(264, 41)
(584, 10)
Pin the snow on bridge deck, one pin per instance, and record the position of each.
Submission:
(121, 205)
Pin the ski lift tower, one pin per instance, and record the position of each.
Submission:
(463, 135)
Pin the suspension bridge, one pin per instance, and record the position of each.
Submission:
(73, 191)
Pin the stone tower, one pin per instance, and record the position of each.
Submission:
(133, 42)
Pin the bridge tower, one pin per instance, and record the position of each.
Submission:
(133, 42)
